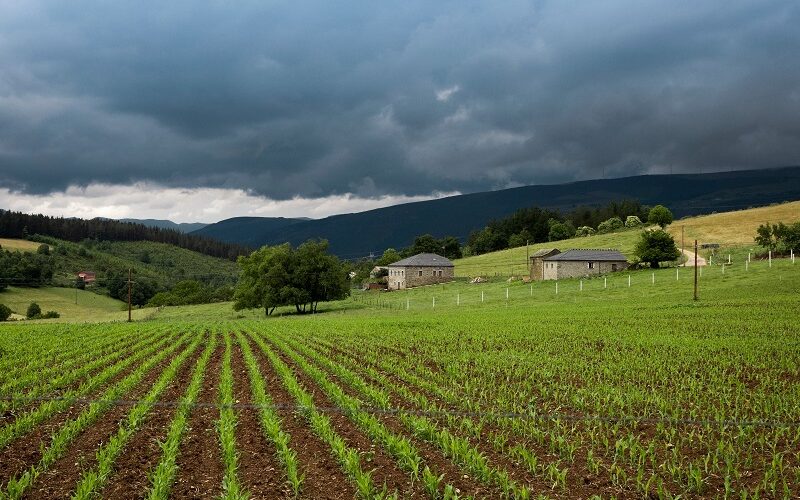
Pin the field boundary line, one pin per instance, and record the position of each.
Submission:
(440, 413)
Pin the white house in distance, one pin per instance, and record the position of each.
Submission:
(420, 269)
(582, 263)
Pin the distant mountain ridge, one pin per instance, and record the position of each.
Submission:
(184, 227)
(358, 234)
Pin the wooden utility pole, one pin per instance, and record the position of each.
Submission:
(695, 269)
(527, 256)
(130, 282)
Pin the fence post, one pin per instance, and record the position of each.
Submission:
(434, 303)
(581, 286)
(481, 295)
(676, 273)
(506, 293)
(629, 281)
(408, 303)
(556, 287)
(458, 299)
(605, 282)
(531, 290)
(770, 258)
(654, 277)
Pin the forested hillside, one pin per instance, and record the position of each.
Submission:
(21, 225)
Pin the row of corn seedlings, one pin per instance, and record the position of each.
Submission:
(64, 436)
(27, 421)
(163, 475)
(93, 481)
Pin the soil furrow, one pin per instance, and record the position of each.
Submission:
(373, 456)
(143, 451)
(260, 472)
(501, 461)
(324, 478)
(26, 451)
(433, 457)
(199, 458)
(63, 476)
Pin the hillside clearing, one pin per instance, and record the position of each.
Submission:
(733, 228)
(91, 307)
(21, 245)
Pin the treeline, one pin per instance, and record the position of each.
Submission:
(26, 268)
(21, 225)
(536, 225)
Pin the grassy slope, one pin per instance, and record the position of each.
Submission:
(512, 262)
(733, 228)
(91, 307)
(168, 264)
(21, 245)
(729, 229)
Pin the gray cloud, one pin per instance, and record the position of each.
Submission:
(315, 99)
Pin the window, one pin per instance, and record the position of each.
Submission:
(613, 267)
(590, 265)
(420, 272)
(440, 274)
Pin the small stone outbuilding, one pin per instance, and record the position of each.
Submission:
(420, 269)
(583, 263)
(537, 262)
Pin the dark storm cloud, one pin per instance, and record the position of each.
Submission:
(320, 98)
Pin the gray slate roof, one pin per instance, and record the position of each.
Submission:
(589, 255)
(423, 260)
(543, 251)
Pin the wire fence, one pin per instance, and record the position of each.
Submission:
(531, 416)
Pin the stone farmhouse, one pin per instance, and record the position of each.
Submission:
(420, 269)
(582, 263)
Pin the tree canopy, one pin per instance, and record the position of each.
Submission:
(660, 215)
(280, 275)
(656, 246)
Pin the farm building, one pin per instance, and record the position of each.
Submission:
(420, 269)
(87, 276)
(581, 263)
(537, 262)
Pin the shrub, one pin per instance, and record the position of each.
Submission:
(584, 231)
(633, 221)
(5, 312)
(43, 249)
(50, 315)
(560, 231)
(34, 311)
(610, 225)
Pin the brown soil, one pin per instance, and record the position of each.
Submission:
(62, 477)
(260, 472)
(324, 478)
(199, 457)
(143, 451)
(432, 456)
(26, 451)
(385, 470)
(516, 471)
(10, 416)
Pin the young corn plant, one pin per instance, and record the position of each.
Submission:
(164, 474)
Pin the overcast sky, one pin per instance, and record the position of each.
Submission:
(196, 110)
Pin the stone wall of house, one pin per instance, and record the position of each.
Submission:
(579, 269)
(409, 277)
(537, 268)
